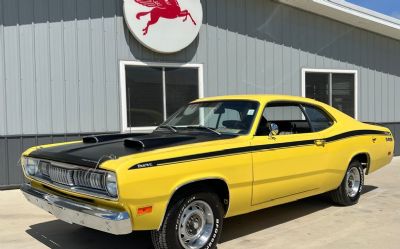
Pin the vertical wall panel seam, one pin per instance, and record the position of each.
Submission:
(50, 68)
(281, 48)
(104, 65)
(63, 69)
(217, 35)
(236, 49)
(7, 180)
(34, 72)
(290, 46)
(19, 94)
(264, 54)
(4, 70)
(246, 45)
(206, 52)
(117, 66)
(226, 48)
(77, 78)
(20, 88)
(91, 63)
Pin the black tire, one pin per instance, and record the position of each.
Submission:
(340, 195)
(167, 236)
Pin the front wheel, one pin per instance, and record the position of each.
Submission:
(193, 222)
(350, 189)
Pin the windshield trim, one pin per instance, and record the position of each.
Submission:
(221, 100)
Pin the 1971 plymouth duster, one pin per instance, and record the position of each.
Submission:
(214, 158)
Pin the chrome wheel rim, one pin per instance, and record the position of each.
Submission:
(353, 182)
(195, 225)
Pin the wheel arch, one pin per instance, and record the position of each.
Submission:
(216, 184)
(363, 158)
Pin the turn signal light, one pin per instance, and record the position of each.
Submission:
(145, 210)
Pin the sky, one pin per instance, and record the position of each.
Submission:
(388, 7)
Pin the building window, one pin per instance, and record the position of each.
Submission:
(152, 92)
(337, 88)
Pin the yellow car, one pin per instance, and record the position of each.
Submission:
(214, 158)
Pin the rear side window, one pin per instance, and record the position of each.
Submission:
(288, 117)
(319, 119)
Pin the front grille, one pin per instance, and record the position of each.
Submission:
(61, 175)
(89, 179)
(84, 178)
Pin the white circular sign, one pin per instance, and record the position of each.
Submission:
(165, 26)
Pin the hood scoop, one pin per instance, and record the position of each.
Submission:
(108, 137)
(155, 142)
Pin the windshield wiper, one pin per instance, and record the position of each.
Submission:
(169, 127)
(202, 127)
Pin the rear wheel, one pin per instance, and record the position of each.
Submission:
(349, 191)
(192, 222)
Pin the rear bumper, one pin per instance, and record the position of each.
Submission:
(71, 211)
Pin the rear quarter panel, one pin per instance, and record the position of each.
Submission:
(341, 151)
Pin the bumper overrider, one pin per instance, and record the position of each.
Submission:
(71, 211)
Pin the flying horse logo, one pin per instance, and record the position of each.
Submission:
(168, 9)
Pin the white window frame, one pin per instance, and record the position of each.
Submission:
(346, 71)
(122, 80)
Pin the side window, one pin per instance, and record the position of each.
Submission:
(319, 119)
(287, 116)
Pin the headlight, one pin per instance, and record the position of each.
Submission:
(31, 165)
(111, 184)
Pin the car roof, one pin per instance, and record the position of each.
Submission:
(262, 98)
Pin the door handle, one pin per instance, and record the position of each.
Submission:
(319, 142)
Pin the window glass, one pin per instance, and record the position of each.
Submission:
(288, 117)
(343, 93)
(144, 95)
(319, 119)
(335, 89)
(274, 113)
(181, 87)
(155, 93)
(229, 117)
(317, 87)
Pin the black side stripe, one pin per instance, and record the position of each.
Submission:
(248, 149)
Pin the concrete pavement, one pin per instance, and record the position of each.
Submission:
(311, 223)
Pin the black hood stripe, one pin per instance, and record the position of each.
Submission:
(249, 149)
(103, 147)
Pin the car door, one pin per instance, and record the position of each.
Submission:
(289, 163)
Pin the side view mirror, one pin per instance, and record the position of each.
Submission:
(273, 129)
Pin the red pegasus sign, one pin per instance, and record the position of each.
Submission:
(169, 9)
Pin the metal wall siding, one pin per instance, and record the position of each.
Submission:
(57, 78)
(3, 114)
(85, 82)
(12, 67)
(3, 163)
(62, 59)
(97, 68)
(14, 147)
(28, 87)
(43, 67)
(59, 64)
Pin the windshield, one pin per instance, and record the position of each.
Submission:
(226, 117)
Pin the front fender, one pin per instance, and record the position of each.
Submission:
(155, 186)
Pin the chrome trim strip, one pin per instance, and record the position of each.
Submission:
(71, 211)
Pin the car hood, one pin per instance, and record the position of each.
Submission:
(94, 150)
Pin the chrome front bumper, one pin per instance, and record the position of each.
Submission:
(71, 211)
